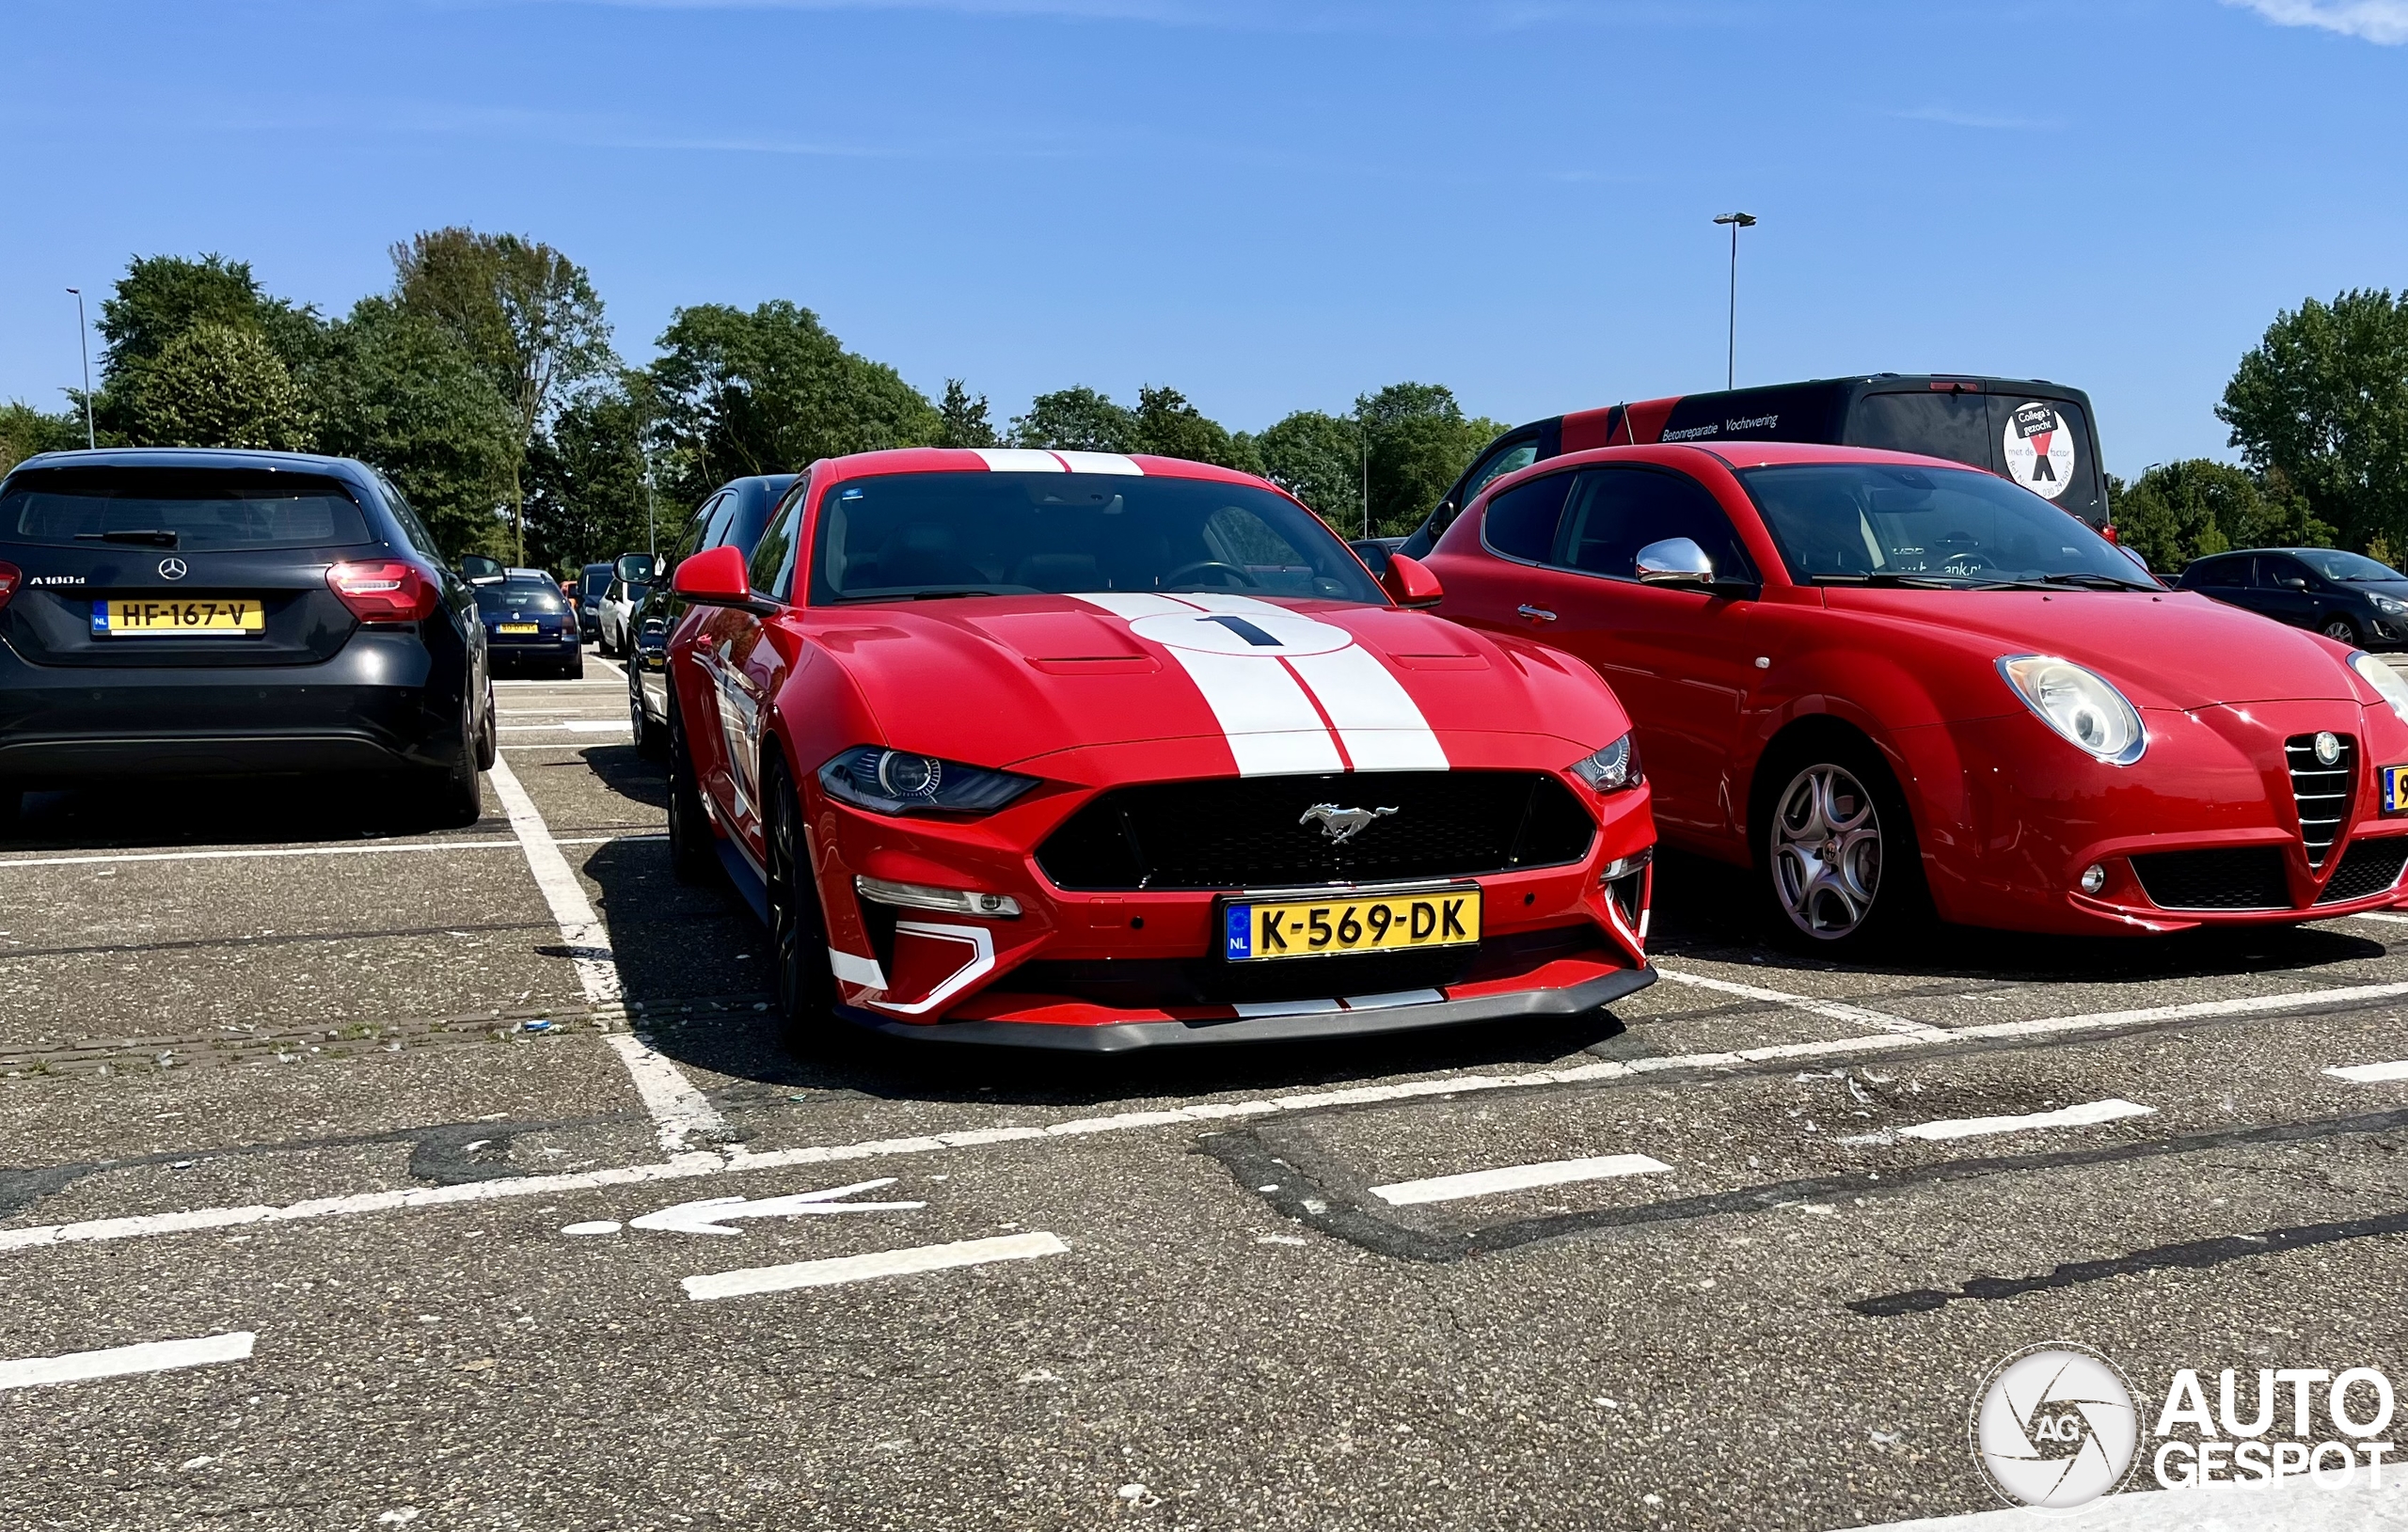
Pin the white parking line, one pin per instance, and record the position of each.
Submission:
(1836, 1010)
(842, 1268)
(2387, 919)
(125, 1361)
(677, 1108)
(1481, 1183)
(574, 726)
(2085, 1115)
(480, 842)
(2371, 1074)
(2247, 1005)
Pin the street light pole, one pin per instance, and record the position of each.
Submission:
(1731, 354)
(84, 340)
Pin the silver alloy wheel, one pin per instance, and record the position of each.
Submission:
(1825, 851)
(2342, 630)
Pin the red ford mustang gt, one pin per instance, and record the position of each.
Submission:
(1087, 750)
(1890, 683)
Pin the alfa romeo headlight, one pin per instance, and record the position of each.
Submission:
(902, 781)
(2080, 704)
(1611, 769)
(2388, 683)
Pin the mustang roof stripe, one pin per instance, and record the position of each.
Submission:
(1019, 460)
(1120, 463)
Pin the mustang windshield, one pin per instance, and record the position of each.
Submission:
(910, 536)
(1873, 523)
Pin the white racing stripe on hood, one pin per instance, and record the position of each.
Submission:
(1267, 709)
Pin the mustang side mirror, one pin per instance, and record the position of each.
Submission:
(634, 568)
(718, 577)
(1409, 582)
(1675, 560)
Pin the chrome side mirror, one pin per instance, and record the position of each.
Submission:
(1675, 560)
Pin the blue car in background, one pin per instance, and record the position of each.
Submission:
(529, 620)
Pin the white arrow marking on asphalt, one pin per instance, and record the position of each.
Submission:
(705, 1217)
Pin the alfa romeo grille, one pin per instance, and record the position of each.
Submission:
(1239, 832)
(2243, 877)
(2322, 792)
(2368, 867)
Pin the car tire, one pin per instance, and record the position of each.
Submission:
(1836, 852)
(450, 797)
(806, 984)
(573, 668)
(2340, 630)
(652, 739)
(489, 734)
(692, 856)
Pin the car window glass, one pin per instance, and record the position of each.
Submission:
(771, 556)
(2271, 573)
(1521, 521)
(2333, 564)
(412, 528)
(2217, 574)
(1507, 458)
(1865, 521)
(1950, 425)
(191, 510)
(1613, 512)
(723, 512)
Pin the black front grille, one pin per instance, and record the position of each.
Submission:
(2368, 867)
(2322, 792)
(2244, 878)
(1242, 832)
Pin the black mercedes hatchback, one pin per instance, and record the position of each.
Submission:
(198, 612)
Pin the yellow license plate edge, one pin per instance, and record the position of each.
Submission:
(1270, 929)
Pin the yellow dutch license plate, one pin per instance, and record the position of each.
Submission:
(516, 628)
(190, 617)
(1262, 930)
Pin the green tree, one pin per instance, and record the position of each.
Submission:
(1166, 425)
(1075, 420)
(161, 298)
(2322, 399)
(771, 391)
(527, 313)
(219, 384)
(585, 485)
(24, 430)
(1318, 459)
(2177, 512)
(1420, 442)
(403, 393)
(962, 420)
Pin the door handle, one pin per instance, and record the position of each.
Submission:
(1536, 614)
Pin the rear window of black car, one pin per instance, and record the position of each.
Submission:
(518, 595)
(205, 509)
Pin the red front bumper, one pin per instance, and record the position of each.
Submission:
(2010, 816)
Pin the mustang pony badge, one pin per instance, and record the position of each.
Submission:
(1341, 824)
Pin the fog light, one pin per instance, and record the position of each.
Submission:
(2094, 878)
(1627, 865)
(951, 901)
(2328, 748)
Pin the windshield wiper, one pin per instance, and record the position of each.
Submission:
(1888, 580)
(2090, 581)
(156, 538)
(936, 596)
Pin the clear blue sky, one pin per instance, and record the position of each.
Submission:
(1268, 203)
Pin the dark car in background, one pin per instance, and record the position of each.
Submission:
(733, 515)
(2038, 434)
(529, 623)
(592, 581)
(2348, 597)
(190, 612)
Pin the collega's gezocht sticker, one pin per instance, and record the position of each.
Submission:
(2039, 449)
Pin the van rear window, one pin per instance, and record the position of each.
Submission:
(192, 510)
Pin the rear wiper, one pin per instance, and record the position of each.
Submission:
(155, 538)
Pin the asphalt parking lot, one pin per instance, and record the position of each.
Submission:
(397, 1134)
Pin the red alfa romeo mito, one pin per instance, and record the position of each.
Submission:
(1890, 683)
(1087, 750)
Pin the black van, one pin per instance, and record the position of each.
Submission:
(2039, 434)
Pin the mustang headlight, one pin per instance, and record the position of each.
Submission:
(2388, 684)
(2079, 705)
(899, 781)
(1611, 769)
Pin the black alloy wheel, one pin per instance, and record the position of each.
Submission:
(797, 931)
(692, 855)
